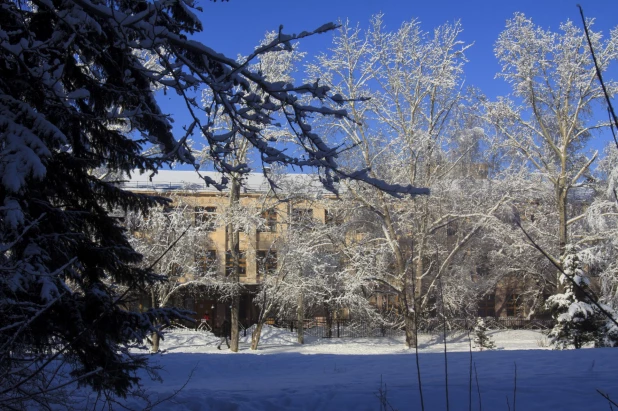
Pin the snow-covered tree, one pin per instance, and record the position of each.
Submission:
(515, 264)
(172, 239)
(548, 119)
(597, 233)
(578, 321)
(299, 283)
(413, 80)
(76, 94)
(482, 340)
(596, 236)
(316, 272)
(275, 67)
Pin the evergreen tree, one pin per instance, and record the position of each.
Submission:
(481, 339)
(65, 78)
(76, 95)
(578, 322)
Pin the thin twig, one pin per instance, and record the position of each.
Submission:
(151, 266)
(382, 395)
(604, 395)
(444, 336)
(5, 347)
(55, 388)
(418, 366)
(515, 388)
(579, 288)
(470, 380)
(610, 108)
(175, 393)
(478, 387)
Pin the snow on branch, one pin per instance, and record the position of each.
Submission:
(246, 100)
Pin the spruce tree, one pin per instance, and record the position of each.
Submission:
(65, 79)
(76, 96)
(481, 339)
(578, 321)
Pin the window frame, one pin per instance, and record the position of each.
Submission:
(270, 226)
(301, 215)
(266, 262)
(242, 263)
(513, 305)
(333, 218)
(486, 306)
(205, 216)
(205, 258)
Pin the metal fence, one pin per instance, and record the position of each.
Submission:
(325, 328)
(333, 328)
(434, 325)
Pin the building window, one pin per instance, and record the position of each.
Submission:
(373, 301)
(206, 261)
(513, 305)
(487, 306)
(392, 301)
(176, 270)
(451, 228)
(482, 270)
(301, 215)
(333, 218)
(266, 262)
(206, 217)
(242, 264)
(270, 222)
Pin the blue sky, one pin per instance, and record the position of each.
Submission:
(235, 27)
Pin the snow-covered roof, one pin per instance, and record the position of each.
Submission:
(166, 180)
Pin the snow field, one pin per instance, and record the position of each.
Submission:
(344, 374)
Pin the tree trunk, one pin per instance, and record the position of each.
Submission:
(329, 322)
(561, 199)
(410, 328)
(234, 247)
(419, 268)
(155, 336)
(155, 343)
(256, 334)
(411, 318)
(235, 335)
(300, 317)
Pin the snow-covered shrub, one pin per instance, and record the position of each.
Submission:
(608, 332)
(578, 322)
(481, 339)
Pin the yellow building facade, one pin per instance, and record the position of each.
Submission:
(301, 197)
(258, 244)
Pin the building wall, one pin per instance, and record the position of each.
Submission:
(253, 241)
(505, 301)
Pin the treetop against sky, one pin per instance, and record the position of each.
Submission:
(236, 27)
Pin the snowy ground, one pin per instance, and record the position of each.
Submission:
(344, 374)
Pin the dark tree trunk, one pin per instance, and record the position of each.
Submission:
(234, 239)
(300, 316)
(561, 200)
(234, 335)
(154, 337)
